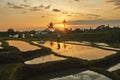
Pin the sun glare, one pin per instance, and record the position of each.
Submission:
(59, 26)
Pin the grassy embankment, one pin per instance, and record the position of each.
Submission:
(12, 54)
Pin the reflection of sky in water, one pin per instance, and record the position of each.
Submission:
(106, 46)
(86, 75)
(80, 43)
(101, 44)
(44, 59)
(22, 45)
(0, 45)
(79, 51)
(115, 67)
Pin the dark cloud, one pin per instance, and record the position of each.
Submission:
(112, 22)
(42, 16)
(47, 7)
(41, 6)
(56, 10)
(11, 5)
(115, 2)
(36, 8)
(76, 0)
(27, 6)
(17, 7)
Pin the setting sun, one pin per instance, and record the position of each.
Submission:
(60, 26)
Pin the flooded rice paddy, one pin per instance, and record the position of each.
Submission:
(85, 75)
(106, 46)
(79, 43)
(78, 51)
(44, 59)
(1, 46)
(65, 49)
(22, 45)
(114, 68)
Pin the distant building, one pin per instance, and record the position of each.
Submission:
(23, 35)
(10, 36)
(41, 32)
(16, 36)
(31, 35)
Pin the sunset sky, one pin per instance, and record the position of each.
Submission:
(37, 14)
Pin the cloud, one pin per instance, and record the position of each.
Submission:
(42, 16)
(25, 1)
(69, 15)
(36, 8)
(86, 15)
(11, 5)
(95, 16)
(111, 22)
(47, 7)
(56, 10)
(25, 5)
(41, 6)
(17, 7)
(115, 2)
(76, 0)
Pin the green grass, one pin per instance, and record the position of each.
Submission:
(9, 72)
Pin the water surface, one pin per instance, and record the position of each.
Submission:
(114, 68)
(1, 46)
(44, 59)
(79, 43)
(85, 75)
(22, 45)
(101, 44)
(79, 51)
(106, 46)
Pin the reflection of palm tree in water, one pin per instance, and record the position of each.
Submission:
(58, 44)
(51, 43)
(65, 46)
